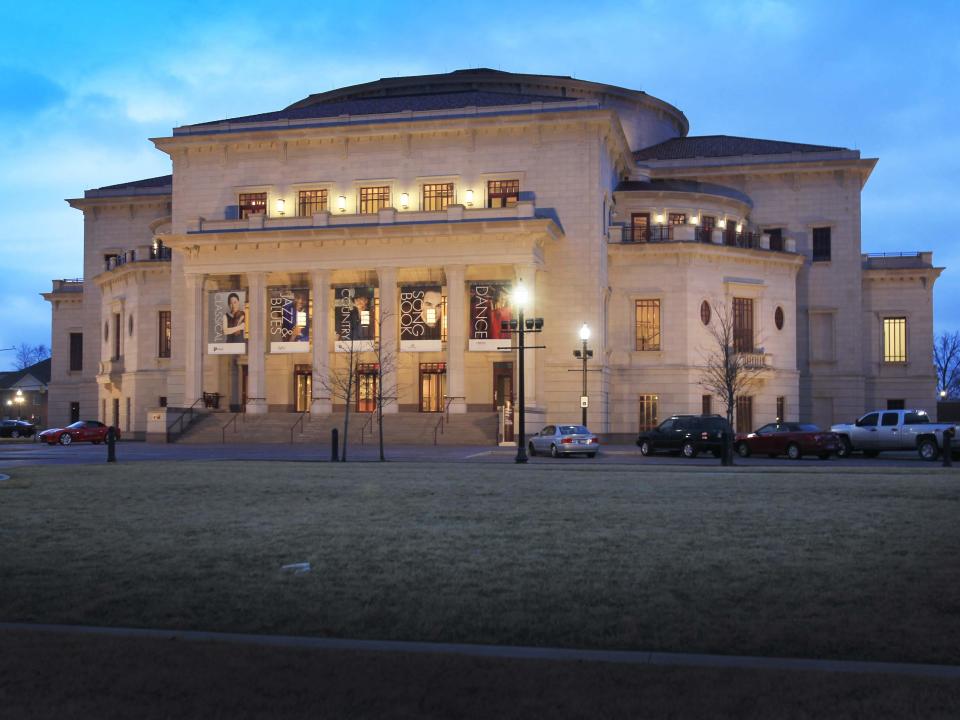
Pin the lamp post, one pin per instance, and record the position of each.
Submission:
(18, 399)
(521, 326)
(584, 354)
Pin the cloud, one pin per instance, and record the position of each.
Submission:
(24, 93)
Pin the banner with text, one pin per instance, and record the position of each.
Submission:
(227, 323)
(353, 317)
(289, 318)
(421, 318)
(489, 306)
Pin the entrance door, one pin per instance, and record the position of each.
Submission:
(639, 227)
(366, 391)
(116, 413)
(302, 387)
(502, 384)
(433, 386)
(74, 412)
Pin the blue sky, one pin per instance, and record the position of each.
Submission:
(83, 85)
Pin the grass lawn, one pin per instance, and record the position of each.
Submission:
(826, 562)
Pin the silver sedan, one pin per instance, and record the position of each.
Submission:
(561, 440)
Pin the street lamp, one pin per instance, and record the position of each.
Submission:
(19, 401)
(520, 326)
(584, 354)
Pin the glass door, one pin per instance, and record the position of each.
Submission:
(433, 386)
(366, 392)
(302, 387)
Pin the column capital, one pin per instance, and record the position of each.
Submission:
(258, 276)
(194, 280)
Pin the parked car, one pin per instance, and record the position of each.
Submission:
(81, 431)
(791, 439)
(687, 434)
(882, 430)
(563, 440)
(16, 428)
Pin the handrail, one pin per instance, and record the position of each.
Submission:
(298, 422)
(189, 411)
(231, 421)
(369, 423)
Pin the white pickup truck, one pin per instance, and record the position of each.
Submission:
(896, 430)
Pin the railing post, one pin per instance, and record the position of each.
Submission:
(334, 445)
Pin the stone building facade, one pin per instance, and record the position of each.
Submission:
(401, 213)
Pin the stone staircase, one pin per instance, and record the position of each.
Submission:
(398, 429)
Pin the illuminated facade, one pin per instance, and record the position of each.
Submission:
(398, 214)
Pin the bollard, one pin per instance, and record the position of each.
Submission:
(111, 444)
(334, 445)
(948, 447)
(725, 458)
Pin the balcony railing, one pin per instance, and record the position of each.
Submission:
(68, 285)
(694, 234)
(756, 359)
(153, 253)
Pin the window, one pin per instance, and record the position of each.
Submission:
(743, 325)
(868, 420)
(74, 411)
(76, 352)
(374, 199)
(649, 410)
(165, 333)
(648, 324)
(116, 336)
(776, 238)
(677, 219)
(126, 423)
(437, 196)
(821, 244)
(778, 317)
(897, 404)
(503, 193)
(895, 340)
(706, 404)
(311, 201)
(889, 419)
(252, 204)
(163, 401)
(781, 409)
(744, 414)
(705, 231)
(705, 312)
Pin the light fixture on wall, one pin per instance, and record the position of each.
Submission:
(342, 203)
(280, 205)
(404, 200)
(694, 220)
(722, 224)
(659, 218)
(739, 227)
(365, 318)
(468, 198)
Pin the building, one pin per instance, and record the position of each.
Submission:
(23, 393)
(403, 210)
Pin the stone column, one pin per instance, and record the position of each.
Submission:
(321, 403)
(387, 279)
(528, 274)
(256, 375)
(193, 340)
(456, 337)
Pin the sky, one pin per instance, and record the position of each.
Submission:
(84, 85)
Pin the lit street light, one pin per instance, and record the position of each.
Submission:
(520, 326)
(584, 354)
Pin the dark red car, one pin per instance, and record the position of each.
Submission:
(80, 431)
(791, 439)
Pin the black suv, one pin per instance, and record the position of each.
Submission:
(686, 434)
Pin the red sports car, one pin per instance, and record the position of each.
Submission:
(791, 439)
(80, 431)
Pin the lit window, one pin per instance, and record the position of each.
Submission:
(437, 196)
(895, 340)
(648, 324)
(374, 199)
(677, 219)
(649, 411)
(165, 333)
(252, 204)
(311, 202)
(503, 193)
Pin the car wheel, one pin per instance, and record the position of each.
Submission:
(554, 452)
(846, 449)
(928, 449)
(688, 450)
(646, 448)
(793, 451)
(65, 439)
(743, 450)
(824, 456)
(14, 433)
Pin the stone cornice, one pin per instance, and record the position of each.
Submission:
(755, 165)
(643, 253)
(135, 270)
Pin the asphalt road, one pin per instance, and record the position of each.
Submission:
(19, 453)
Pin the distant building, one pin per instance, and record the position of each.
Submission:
(23, 393)
(280, 237)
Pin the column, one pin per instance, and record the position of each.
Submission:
(256, 375)
(528, 275)
(456, 337)
(193, 339)
(387, 279)
(320, 403)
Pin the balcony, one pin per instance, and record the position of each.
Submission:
(752, 240)
(757, 360)
(146, 253)
(68, 285)
(113, 366)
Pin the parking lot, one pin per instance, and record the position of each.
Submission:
(19, 453)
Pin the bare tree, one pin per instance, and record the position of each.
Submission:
(341, 384)
(729, 364)
(386, 365)
(27, 355)
(946, 358)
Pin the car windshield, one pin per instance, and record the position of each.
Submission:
(77, 424)
(806, 427)
(573, 430)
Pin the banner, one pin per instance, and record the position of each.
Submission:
(489, 306)
(289, 319)
(227, 323)
(421, 318)
(353, 317)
